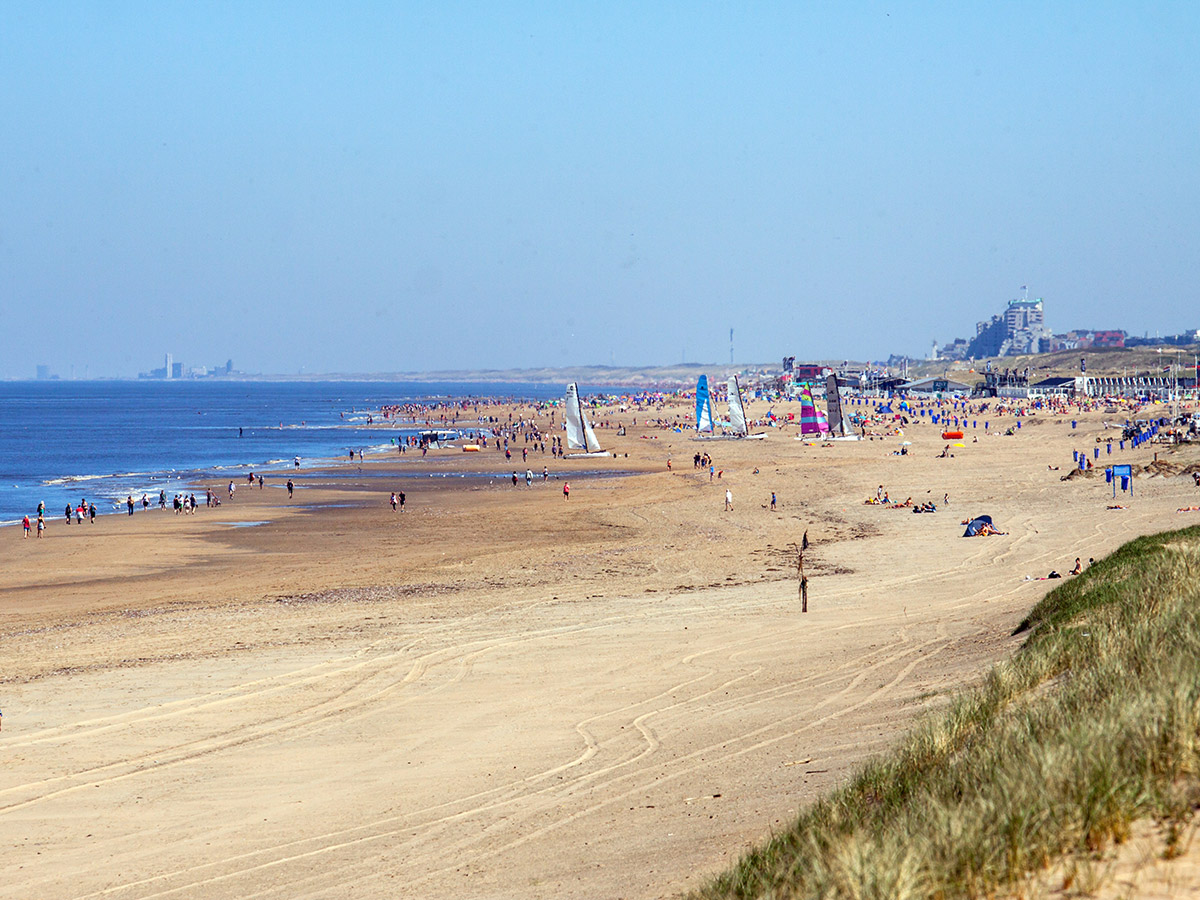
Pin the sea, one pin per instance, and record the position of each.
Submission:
(63, 441)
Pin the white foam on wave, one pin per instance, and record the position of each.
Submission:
(74, 479)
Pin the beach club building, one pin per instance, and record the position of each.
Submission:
(937, 387)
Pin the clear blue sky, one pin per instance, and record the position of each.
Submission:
(388, 187)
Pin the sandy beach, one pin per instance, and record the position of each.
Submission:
(500, 692)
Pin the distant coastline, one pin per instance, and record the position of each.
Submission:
(647, 377)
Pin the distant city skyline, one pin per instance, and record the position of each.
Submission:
(387, 187)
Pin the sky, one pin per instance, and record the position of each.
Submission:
(390, 187)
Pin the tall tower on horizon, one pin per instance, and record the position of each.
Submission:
(167, 361)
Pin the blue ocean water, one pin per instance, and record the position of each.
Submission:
(61, 441)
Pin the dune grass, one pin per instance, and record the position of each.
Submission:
(1093, 724)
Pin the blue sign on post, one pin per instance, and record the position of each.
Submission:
(1125, 474)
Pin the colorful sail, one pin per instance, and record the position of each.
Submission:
(812, 420)
(704, 411)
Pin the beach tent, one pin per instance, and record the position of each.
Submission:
(976, 524)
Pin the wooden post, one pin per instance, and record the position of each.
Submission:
(803, 579)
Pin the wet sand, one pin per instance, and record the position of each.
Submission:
(499, 692)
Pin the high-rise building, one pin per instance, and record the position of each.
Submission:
(168, 364)
(1020, 329)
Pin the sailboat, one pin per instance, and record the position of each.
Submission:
(579, 430)
(837, 422)
(704, 410)
(813, 424)
(737, 413)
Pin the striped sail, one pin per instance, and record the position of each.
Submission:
(812, 420)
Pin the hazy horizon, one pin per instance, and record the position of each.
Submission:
(383, 189)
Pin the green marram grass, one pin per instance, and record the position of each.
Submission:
(1093, 724)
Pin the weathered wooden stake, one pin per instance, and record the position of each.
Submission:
(803, 580)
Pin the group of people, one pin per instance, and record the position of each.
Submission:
(83, 510)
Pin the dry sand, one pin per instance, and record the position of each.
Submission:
(499, 692)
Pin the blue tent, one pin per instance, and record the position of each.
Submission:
(976, 524)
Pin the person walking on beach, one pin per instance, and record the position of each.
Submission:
(68, 513)
(91, 513)
(291, 487)
(728, 500)
(393, 501)
(41, 525)
(232, 488)
(402, 501)
(566, 490)
(129, 503)
(26, 526)
(772, 499)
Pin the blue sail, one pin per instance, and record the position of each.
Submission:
(704, 414)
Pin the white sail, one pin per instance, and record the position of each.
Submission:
(571, 415)
(579, 430)
(737, 413)
(592, 445)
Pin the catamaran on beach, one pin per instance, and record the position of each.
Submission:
(580, 435)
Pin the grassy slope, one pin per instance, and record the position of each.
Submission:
(1093, 724)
